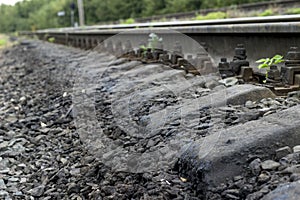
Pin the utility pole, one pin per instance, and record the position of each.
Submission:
(81, 12)
(72, 6)
(72, 18)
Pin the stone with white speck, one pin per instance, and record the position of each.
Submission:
(18, 193)
(269, 165)
(288, 191)
(2, 184)
(255, 166)
(23, 180)
(13, 179)
(37, 191)
(281, 152)
(4, 145)
(3, 193)
(296, 149)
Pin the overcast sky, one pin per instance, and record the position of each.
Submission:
(9, 2)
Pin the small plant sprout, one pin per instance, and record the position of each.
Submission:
(152, 42)
(268, 62)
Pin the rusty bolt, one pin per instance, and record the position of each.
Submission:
(293, 54)
(240, 50)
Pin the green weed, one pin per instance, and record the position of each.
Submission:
(212, 15)
(268, 62)
(293, 11)
(51, 39)
(3, 42)
(267, 12)
(128, 21)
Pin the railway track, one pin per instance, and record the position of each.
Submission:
(138, 101)
(257, 36)
(262, 36)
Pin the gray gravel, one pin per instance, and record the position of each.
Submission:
(41, 154)
(43, 157)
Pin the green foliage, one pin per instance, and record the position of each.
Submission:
(3, 42)
(212, 15)
(128, 21)
(175, 6)
(51, 39)
(34, 14)
(293, 11)
(41, 14)
(222, 3)
(268, 62)
(267, 12)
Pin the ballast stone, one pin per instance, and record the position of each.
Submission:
(225, 159)
(288, 191)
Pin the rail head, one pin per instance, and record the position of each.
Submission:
(253, 28)
(172, 24)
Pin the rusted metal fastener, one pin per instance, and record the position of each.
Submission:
(200, 61)
(95, 42)
(128, 46)
(293, 56)
(208, 68)
(83, 43)
(240, 52)
(164, 58)
(190, 58)
(182, 64)
(239, 59)
(177, 53)
(246, 73)
(77, 42)
(274, 73)
(158, 50)
(140, 50)
(118, 50)
(128, 50)
(291, 67)
(224, 68)
(80, 43)
(89, 43)
(178, 48)
(148, 54)
(190, 65)
(109, 47)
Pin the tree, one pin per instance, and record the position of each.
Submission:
(41, 14)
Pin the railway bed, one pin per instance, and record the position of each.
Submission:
(156, 113)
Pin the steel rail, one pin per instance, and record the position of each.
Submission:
(262, 36)
(230, 21)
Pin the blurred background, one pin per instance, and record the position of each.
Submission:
(18, 15)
